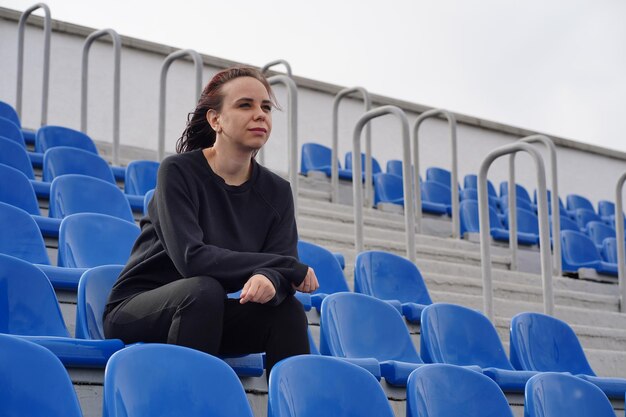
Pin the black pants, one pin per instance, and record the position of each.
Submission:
(195, 312)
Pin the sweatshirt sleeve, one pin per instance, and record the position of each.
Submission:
(177, 227)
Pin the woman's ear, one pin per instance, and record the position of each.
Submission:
(213, 118)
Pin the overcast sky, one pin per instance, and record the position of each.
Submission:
(553, 66)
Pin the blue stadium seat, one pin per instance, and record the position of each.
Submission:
(598, 231)
(311, 385)
(520, 191)
(437, 195)
(17, 190)
(186, 382)
(388, 189)
(441, 390)
(546, 344)
(472, 194)
(31, 310)
(441, 176)
(566, 223)
(394, 167)
(13, 155)
(49, 137)
(606, 209)
(146, 201)
(75, 193)
(141, 177)
(575, 201)
(375, 165)
(34, 381)
(471, 181)
(93, 239)
(520, 203)
(7, 111)
(578, 251)
(391, 277)
(556, 395)
(527, 226)
(63, 160)
(360, 326)
(22, 239)
(316, 157)
(93, 291)
(562, 209)
(584, 216)
(327, 269)
(13, 132)
(469, 216)
(609, 250)
(458, 335)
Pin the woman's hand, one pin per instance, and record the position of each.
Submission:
(258, 289)
(310, 283)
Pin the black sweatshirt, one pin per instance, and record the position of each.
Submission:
(199, 225)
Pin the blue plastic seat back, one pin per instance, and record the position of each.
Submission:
(547, 344)
(168, 380)
(606, 208)
(469, 216)
(360, 326)
(49, 137)
(326, 266)
(520, 191)
(388, 276)
(549, 196)
(472, 194)
(315, 157)
(14, 155)
(598, 231)
(609, 250)
(63, 160)
(557, 395)
(141, 177)
(34, 381)
(93, 239)
(436, 192)
(8, 112)
(28, 303)
(584, 216)
(471, 181)
(387, 188)
(394, 167)
(527, 221)
(21, 236)
(566, 224)
(577, 248)
(575, 201)
(146, 201)
(311, 386)
(93, 290)
(74, 193)
(10, 130)
(440, 390)
(16, 190)
(375, 165)
(458, 335)
(519, 202)
(440, 175)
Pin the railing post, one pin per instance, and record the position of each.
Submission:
(619, 235)
(292, 136)
(334, 177)
(47, 28)
(512, 197)
(198, 64)
(554, 199)
(117, 46)
(409, 215)
(454, 186)
(544, 234)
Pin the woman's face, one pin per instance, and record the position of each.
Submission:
(245, 120)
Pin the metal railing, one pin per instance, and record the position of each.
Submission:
(409, 215)
(454, 185)
(47, 28)
(292, 132)
(619, 235)
(544, 234)
(554, 197)
(267, 66)
(117, 48)
(167, 62)
(334, 177)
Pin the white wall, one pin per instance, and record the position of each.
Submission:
(583, 169)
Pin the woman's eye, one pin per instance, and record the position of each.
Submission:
(244, 105)
(267, 108)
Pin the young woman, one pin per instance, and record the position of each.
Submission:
(218, 223)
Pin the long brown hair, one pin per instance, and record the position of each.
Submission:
(198, 134)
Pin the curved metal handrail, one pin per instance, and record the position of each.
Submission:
(167, 62)
(277, 62)
(454, 186)
(409, 215)
(334, 177)
(47, 29)
(117, 48)
(544, 234)
(619, 235)
(292, 135)
(556, 218)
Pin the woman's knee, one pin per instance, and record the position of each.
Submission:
(290, 315)
(201, 290)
